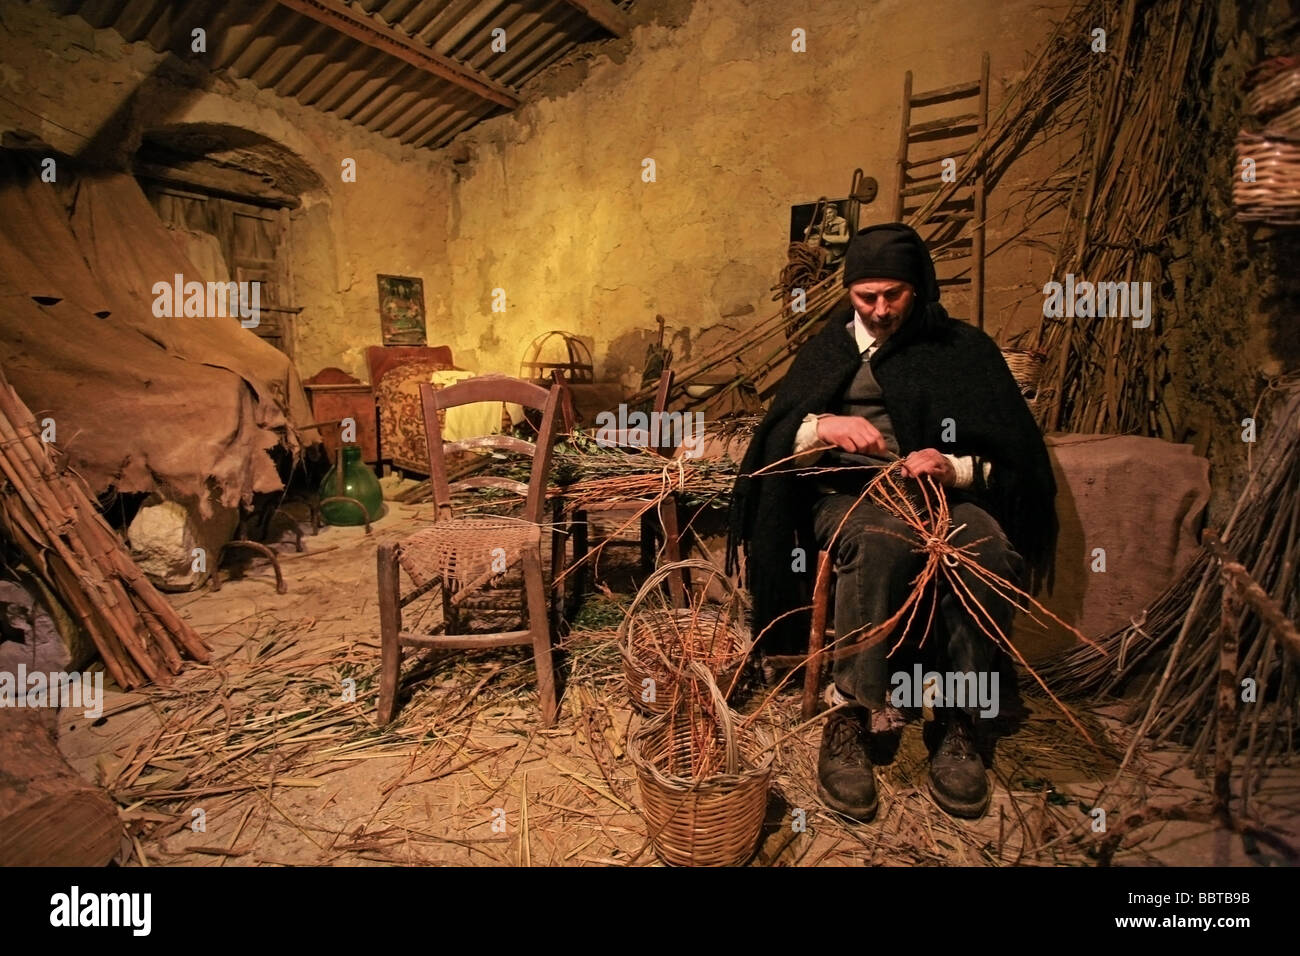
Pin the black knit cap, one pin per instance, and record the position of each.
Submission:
(891, 250)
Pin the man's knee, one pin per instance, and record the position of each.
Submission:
(877, 550)
(984, 540)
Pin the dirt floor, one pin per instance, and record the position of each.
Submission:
(272, 754)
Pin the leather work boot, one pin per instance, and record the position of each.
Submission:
(957, 778)
(845, 779)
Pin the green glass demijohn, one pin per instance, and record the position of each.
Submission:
(358, 482)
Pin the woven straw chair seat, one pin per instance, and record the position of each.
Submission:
(462, 550)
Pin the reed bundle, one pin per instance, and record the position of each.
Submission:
(1139, 106)
(48, 513)
(650, 476)
(1169, 656)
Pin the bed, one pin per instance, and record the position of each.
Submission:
(396, 373)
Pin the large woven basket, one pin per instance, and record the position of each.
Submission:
(655, 643)
(710, 820)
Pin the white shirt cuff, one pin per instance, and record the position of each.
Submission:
(805, 438)
(964, 466)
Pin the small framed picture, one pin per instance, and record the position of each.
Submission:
(401, 310)
(825, 223)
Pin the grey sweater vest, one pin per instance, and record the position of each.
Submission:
(865, 399)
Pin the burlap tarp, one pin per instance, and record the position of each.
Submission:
(1130, 505)
(185, 406)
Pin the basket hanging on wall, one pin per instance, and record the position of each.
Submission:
(1027, 369)
(1266, 184)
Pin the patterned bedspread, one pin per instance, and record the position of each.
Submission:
(401, 419)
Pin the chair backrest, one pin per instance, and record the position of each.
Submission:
(568, 413)
(638, 437)
(491, 388)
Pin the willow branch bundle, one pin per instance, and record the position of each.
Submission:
(1142, 101)
(653, 477)
(1168, 656)
(49, 516)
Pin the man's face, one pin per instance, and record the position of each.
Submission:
(884, 304)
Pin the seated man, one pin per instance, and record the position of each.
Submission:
(892, 375)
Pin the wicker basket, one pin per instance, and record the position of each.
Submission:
(1274, 196)
(1026, 368)
(713, 820)
(655, 642)
(1274, 95)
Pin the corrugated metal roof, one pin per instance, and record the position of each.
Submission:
(278, 48)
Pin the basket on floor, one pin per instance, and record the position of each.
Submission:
(709, 815)
(657, 642)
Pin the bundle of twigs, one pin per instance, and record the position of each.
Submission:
(805, 267)
(643, 477)
(1171, 648)
(1142, 104)
(47, 512)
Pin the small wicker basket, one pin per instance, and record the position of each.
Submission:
(716, 818)
(656, 642)
(1026, 368)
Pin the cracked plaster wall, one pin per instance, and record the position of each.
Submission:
(550, 204)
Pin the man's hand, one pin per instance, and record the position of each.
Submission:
(930, 461)
(852, 433)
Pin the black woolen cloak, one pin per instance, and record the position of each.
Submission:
(931, 369)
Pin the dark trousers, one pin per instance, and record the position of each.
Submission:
(876, 560)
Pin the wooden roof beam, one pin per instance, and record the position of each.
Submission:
(606, 14)
(372, 33)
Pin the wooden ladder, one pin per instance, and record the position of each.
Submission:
(954, 229)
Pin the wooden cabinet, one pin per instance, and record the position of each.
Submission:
(335, 394)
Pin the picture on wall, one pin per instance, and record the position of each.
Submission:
(401, 310)
(822, 223)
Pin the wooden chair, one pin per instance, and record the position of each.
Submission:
(667, 510)
(823, 588)
(463, 553)
(814, 662)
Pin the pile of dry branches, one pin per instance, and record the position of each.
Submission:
(1171, 648)
(48, 514)
(1141, 101)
